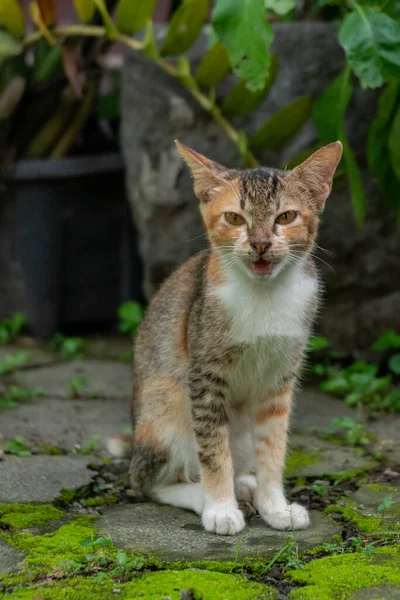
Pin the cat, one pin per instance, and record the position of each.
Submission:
(219, 351)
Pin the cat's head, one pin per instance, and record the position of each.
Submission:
(263, 220)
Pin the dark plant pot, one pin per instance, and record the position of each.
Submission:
(74, 240)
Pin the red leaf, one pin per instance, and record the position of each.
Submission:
(47, 11)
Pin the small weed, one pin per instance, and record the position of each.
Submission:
(77, 386)
(91, 446)
(131, 315)
(319, 489)
(68, 347)
(386, 503)
(10, 328)
(289, 553)
(15, 394)
(12, 362)
(350, 431)
(17, 447)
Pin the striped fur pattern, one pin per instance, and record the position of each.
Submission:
(218, 353)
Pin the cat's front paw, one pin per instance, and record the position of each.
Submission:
(223, 518)
(292, 516)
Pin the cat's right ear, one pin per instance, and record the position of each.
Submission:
(208, 175)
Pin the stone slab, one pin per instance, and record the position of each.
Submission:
(172, 534)
(9, 558)
(66, 424)
(314, 411)
(104, 378)
(378, 592)
(323, 458)
(41, 478)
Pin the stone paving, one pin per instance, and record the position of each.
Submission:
(63, 434)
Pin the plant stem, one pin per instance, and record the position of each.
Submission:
(205, 102)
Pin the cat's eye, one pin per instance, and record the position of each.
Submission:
(234, 219)
(286, 217)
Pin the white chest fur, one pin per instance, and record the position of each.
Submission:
(270, 319)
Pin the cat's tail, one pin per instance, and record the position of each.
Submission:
(120, 446)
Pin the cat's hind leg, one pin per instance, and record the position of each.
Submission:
(182, 495)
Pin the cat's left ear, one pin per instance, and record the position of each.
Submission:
(208, 175)
(316, 173)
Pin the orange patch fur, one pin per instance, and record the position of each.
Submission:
(215, 273)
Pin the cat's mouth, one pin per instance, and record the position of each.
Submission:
(261, 267)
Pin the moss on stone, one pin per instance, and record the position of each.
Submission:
(384, 489)
(298, 459)
(338, 577)
(22, 516)
(150, 586)
(365, 523)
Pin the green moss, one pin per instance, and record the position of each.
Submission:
(385, 489)
(44, 552)
(365, 523)
(66, 496)
(152, 586)
(338, 577)
(22, 516)
(298, 459)
(95, 501)
(49, 449)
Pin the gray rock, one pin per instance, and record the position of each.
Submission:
(362, 294)
(9, 558)
(104, 378)
(66, 423)
(172, 534)
(41, 478)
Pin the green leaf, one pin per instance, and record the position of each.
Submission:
(318, 342)
(131, 315)
(380, 128)
(108, 106)
(329, 109)
(85, 9)
(241, 101)
(394, 144)
(185, 26)
(328, 118)
(214, 66)
(111, 30)
(394, 364)
(371, 40)
(283, 125)
(242, 27)
(9, 45)
(387, 340)
(12, 17)
(132, 16)
(280, 7)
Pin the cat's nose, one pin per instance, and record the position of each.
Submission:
(261, 246)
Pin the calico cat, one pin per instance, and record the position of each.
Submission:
(219, 351)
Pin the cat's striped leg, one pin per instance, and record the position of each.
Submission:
(210, 417)
(271, 419)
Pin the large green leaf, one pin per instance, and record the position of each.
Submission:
(241, 101)
(85, 9)
(9, 45)
(371, 40)
(185, 26)
(329, 109)
(214, 67)
(380, 128)
(328, 117)
(132, 16)
(242, 27)
(283, 125)
(377, 147)
(12, 17)
(394, 143)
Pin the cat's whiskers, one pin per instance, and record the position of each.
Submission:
(312, 253)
